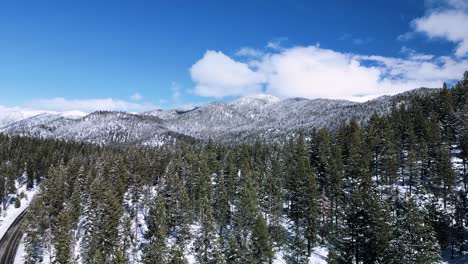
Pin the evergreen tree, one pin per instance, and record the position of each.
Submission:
(459, 218)
(63, 239)
(444, 176)
(297, 248)
(464, 155)
(17, 202)
(311, 212)
(156, 251)
(414, 239)
(232, 251)
(177, 254)
(221, 202)
(205, 245)
(261, 243)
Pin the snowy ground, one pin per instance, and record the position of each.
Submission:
(11, 213)
(319, 256)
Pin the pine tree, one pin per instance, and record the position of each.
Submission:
(107, 232)
(261, 243)
(464, 156)
(63, 239)
(311, 212)
(206, 246)
(297, 248)
(78, 197)
(177, 254)
(275, 201)
(35, 231)
(156, 251)
(459, 218)
(440, 221)
(247, 205)
(232, 251)
(221, 202)
(245, 215)
(414, 239)
(303, 192)
(336, 195)
(363, 232)
(444, 178)
(177, 201)
(17, 202)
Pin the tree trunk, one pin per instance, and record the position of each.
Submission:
(464, 173)
(411, 180)
(445, 197)
(452, 250)
(357, 254)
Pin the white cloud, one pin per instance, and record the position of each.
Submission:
(406, 36)
(448, 20)
(249, 52)
(276, 44)
(89, 105)
(413, 55)
(460, 4)
(217, 75)
(136, 97)
(314, 72)
(445, 4)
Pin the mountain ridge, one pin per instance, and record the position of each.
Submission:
(244, 119)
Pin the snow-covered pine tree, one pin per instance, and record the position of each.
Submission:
(156, 251)
(413, 240)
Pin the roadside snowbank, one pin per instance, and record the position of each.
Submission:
(9, 215)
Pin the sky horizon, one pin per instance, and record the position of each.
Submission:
(140, 55)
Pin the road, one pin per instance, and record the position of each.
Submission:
(11, 240)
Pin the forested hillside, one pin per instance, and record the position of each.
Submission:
(392, 190)
(244, 120)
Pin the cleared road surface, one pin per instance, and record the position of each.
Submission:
(11, 240)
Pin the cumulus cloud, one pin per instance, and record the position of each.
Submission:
(89, 105)
(448, 20)
(217, 75)
(314, 72)
(451, 25)
(461, 4)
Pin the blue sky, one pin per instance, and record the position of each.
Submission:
(137, 55)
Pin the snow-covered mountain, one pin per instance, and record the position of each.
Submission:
(9, 116)
(244, 119)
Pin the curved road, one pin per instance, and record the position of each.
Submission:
(11, 240)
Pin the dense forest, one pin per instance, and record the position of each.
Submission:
(391, 190)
